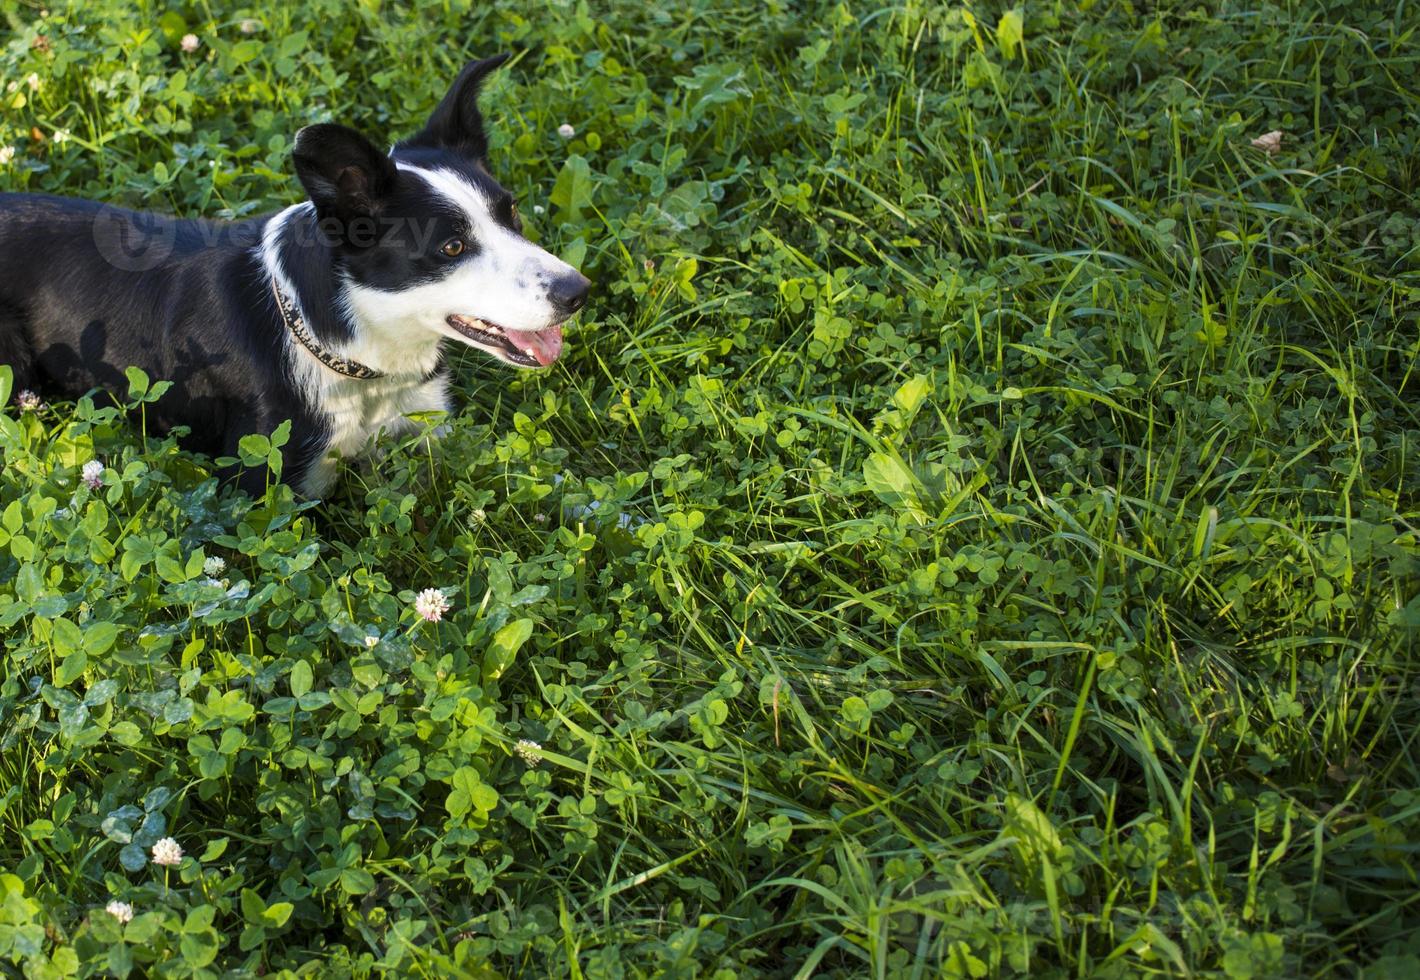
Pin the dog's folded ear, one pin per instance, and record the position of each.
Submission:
(456, 124)
(345, 174)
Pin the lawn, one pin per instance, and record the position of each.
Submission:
(972, 532)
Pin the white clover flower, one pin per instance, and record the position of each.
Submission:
(121, 911)
(431, 604)
(61, 136)
(167, 852)
(371, 642)
(250, 26)
(566, 131)
(93, 474)
(1269, 143)
(32, 80)
(529, 751)
(12, 88)
(7, 153)
(28, 400)
(214, 567)
(539, 209)
(190, 43)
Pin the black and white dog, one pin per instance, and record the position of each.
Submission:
(330, 313)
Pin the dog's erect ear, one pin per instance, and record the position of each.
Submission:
(456, 124)
(345, 174)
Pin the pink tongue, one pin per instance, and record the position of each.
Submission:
(545, 344)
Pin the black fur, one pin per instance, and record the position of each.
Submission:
(80, 303)
(456, 123)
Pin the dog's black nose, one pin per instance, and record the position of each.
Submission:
(569, 293)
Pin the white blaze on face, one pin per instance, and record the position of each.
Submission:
(504, 284)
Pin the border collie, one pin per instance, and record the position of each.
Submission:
(330, 313)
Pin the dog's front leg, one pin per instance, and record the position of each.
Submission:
(429, 396)
(405, 419)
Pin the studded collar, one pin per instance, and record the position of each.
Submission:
(296, 324)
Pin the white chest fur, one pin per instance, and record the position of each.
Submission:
(357, 411)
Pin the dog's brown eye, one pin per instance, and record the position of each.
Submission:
(453, 247)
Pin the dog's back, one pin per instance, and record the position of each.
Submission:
(87, 290)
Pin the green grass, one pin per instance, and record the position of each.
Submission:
(972, 532)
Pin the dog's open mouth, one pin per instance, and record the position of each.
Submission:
(525, 348)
